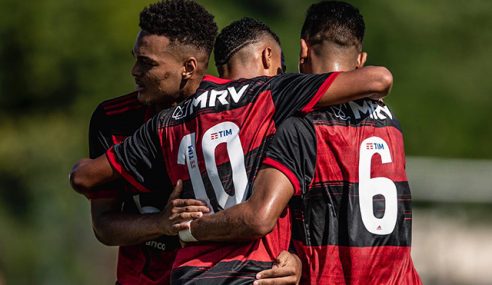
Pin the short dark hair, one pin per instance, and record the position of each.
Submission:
(182, 21)
(237, 35)
(334, 21)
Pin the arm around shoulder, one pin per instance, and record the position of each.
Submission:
(373, 82)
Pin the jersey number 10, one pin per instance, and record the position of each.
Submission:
(226, 132)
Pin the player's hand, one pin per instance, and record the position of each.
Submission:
(286, 270)
(178, 211)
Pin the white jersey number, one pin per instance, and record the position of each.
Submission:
(228, 133)
(370, 187)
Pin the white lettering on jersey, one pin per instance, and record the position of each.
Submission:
(209, 98)
(374, 110)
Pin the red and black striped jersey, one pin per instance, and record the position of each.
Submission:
(215, 142)
(149, 263)
(351, 209)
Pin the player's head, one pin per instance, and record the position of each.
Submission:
(331, 38)
(247, 48)
(172, 50)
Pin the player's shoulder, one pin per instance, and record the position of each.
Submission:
(359, 113)
(119, 105)
(212, 82)
(122, 113)
(295, 126)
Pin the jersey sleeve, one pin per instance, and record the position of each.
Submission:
(138, 159)
(293, 152)
(100, 140)
(298, 93)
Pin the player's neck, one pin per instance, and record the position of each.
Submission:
(188, 89)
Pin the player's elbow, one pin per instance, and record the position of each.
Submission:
(79, 180)
(102, 234)
(383, 80)
(262, 224)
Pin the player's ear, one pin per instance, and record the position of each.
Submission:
(189, 67)
(361, 59)
(303, 57)
(266, 57)
(304, 51)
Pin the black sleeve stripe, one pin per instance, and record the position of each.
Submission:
(112, 158)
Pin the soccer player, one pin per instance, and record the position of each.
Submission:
(352, 202)
(247, 48)
(219, 132)
(345, 168)
(170, 40)
(116, 214)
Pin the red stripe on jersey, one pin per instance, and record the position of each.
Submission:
(338, 153)
(110, 155)
(286, 171)
(215, 80)
(118, 139)
(321, 91)
(340, 265)
(111, 105)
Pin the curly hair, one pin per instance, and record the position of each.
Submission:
(334, 21)
(237, 35)
(182, 21)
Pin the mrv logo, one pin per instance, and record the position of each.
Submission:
(221, 134)
(374, 110)
(210, 98)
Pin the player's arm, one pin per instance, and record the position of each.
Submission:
(134, 160)
(110, 224)
(371, 81)
(88, 173)
(113, 227)
(252, 219)
(290, 161)
(301, 93)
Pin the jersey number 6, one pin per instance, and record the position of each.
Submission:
(370, 187)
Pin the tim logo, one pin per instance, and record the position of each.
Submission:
(221, 134)
(376, 146)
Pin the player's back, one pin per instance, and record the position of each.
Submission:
(222, 134)
(214, 142)
(352, 221)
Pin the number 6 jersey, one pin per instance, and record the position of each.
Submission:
(351, 208)
(215, 143)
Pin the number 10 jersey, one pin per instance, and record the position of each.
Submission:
(215, 142)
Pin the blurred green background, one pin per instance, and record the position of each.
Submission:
(59, 59)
